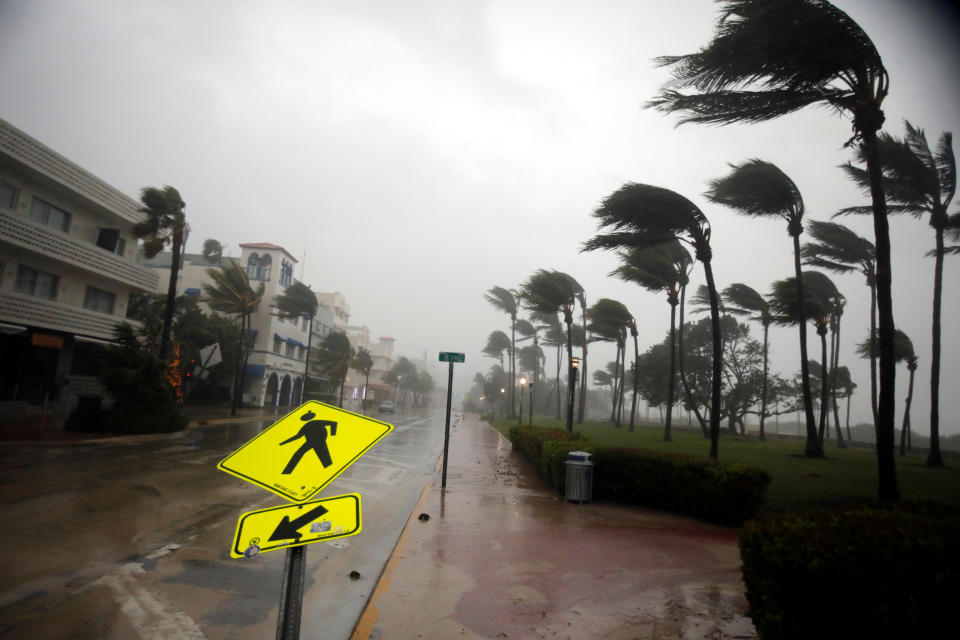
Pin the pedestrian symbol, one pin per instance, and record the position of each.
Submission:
(315, 435)
(305, 450)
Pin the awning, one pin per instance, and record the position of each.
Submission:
(256, 369)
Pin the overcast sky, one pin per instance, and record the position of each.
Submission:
(414, 154)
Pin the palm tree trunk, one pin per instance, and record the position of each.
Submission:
(691, 400)
(623, 382)
(888, 489)
(873, 354)
(824, 385)
(636, 358)
(834, 363)
(306, 363)
(176, 257)
(934, 457)
(581, 406)
(906, 412)
(343, 379)
(513, 365)
(813, 448)
(849, 397)
(568, 320)
(556, 382)
(366, 387)
(765, 381)
(717, 359)
(673, 368)
(236, 367)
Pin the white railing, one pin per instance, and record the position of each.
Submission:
(46, 241)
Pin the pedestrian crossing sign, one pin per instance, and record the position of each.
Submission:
(304, 451)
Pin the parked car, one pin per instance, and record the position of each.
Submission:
(386, 406)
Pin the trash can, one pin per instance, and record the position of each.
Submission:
(579, 477)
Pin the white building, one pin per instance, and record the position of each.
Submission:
(67, 267)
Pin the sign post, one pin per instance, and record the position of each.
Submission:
(449, 357)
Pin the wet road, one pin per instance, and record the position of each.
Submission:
(129, 538)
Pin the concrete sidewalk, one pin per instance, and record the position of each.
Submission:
(502, 556)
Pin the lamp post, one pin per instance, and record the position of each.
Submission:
(503, 408)
(574, 365)
(523, 383)
(530, 423)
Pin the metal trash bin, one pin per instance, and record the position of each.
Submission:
(579, 477)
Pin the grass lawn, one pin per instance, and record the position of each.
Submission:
(844, 476)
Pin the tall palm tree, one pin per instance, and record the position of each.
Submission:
(165, 224)
(840, 250)
(642, 215)
(742, 300)
(759, 188)
(212, 251)
(769, 58)
(334, 356)
(819, 298)
(554, 292)
(609, 320)
(846, 386)
(922, 183)
(363, 362)
(297, 301)
(497, 343)
(232, 294)
(554, 336)
(904, 353)
(661, 268)
(505, 300)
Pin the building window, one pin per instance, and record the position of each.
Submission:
(110, 240)
(290, 347)
(45, 213)
(277, 343)
(37, 283)
(286, 273)
(8, 195)
(266, 262)
(303, 325)
(99, 300)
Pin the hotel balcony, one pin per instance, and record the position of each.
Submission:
(22, 309)
(23, 233)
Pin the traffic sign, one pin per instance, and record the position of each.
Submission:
(305, 450)
(294, 525)
(449, 356)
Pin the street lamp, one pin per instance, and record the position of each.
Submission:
(523, 383)
(502, 406)
(574, 365)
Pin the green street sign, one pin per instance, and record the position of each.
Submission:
(449, 356)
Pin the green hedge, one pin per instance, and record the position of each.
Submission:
(723, 493)
(860, 572)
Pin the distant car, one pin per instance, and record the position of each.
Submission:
(386, 407)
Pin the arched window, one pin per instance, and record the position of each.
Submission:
(253, 267)
(265, 263)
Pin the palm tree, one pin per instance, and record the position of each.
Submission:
(661, 268)
(761, 189)
(231, 293)
(530, 331)
(554, 336)
(334, 356)
(904, 353)
(363, 362)
(742, 300)
(504, 300)
(497, 343)
(819, 298)
(641, 215)
(922, 183)
(165, 224)
(846, 386)
(773, 57)
(212, 251)
(609, 320)
(840, 250)
(554, 292)
(297, 301)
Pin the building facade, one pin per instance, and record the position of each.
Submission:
(67, 267)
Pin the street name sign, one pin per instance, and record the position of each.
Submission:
(305, 450)
(449, 356)
(294, 525)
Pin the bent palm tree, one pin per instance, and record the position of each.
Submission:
(334, 356)
(554, 292)
(659, 268)
(297, 301)
(905, 353)
(609, 320)
(165, 224)
(742, 300)
(363, 362)
(642, 215)
(506, 301)
(840, 250)
(231, 293)
(761, 189)
(769, 58)
(919, 182)
(497, 343)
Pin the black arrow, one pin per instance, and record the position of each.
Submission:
(287, 528)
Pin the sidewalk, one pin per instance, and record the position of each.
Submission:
(502, 556)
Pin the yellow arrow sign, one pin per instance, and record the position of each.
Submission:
(305, 450)
(293, 525)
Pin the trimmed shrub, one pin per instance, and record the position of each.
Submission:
(884, 571)
(724, 493)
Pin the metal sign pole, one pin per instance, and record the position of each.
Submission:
(291, 594)
(446, 430)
